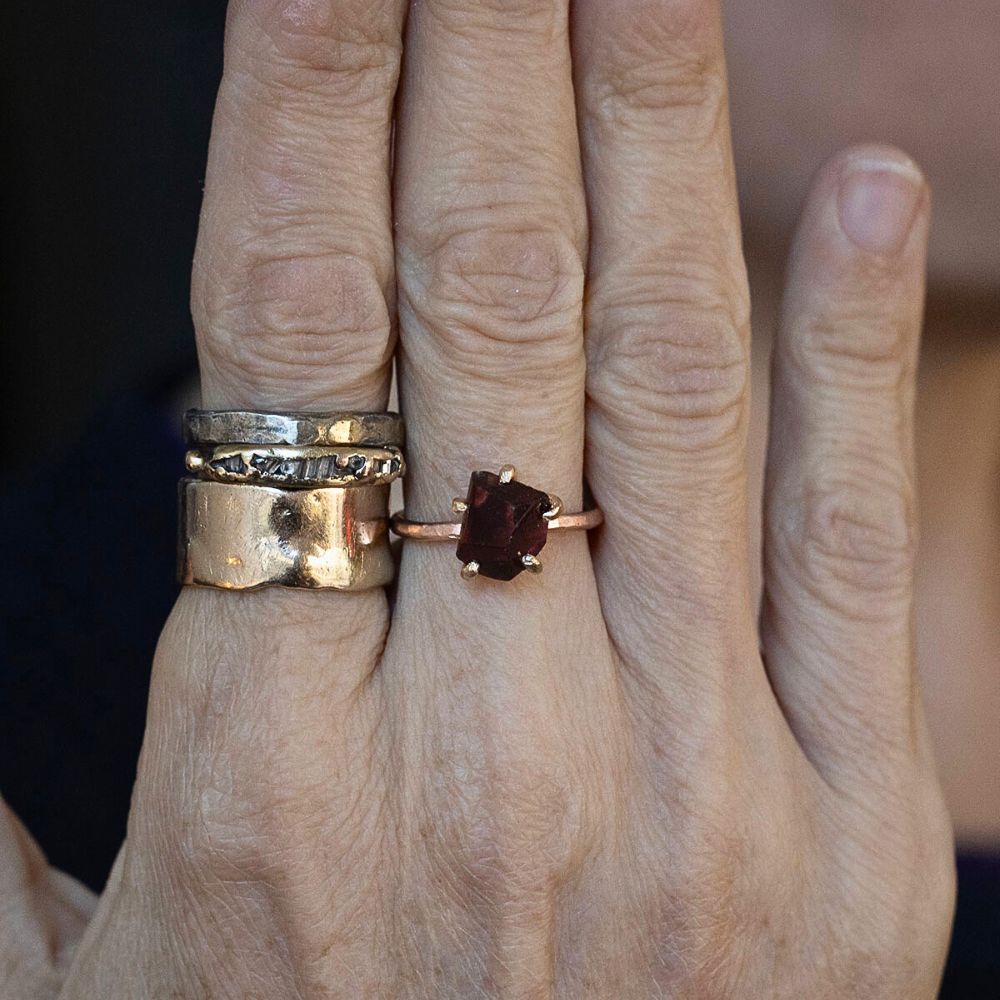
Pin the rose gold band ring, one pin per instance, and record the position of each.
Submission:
(451, 531)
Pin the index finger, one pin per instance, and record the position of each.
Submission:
(293, 277)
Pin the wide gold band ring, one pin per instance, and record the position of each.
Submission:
(242, 537)
(505, 525)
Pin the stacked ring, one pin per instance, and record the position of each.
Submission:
(221, 427)
(288, 499)
(311, 466)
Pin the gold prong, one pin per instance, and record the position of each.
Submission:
(555, 509)
(507, 473)
(531, 563)
(459, 506)
(470, 571)
(194, 462)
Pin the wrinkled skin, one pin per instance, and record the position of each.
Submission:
(607, 781)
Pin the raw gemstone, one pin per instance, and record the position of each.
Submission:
(503, 523)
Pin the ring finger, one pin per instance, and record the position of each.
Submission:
(667, 337)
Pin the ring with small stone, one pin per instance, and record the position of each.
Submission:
(505, 525)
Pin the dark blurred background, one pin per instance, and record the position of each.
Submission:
(107, 109)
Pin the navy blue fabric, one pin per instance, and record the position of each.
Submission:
(973, 971)
(87, 585)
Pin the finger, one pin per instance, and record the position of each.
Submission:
(490, 242)
(293, 271)
(667, 328)
(291, 298)
(839, 520)
(490, 238)
(293, 274)
(255, 696)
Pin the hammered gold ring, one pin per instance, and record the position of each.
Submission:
(243, 537)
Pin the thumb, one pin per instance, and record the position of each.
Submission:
(43, 914)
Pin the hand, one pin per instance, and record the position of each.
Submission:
(590, 784)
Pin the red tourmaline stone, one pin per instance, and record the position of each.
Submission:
(503, 524)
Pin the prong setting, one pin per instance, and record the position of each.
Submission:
(555, 509)
(470, 571)
(507, 474)
(459, 506)
(194, 462)
(531, 563)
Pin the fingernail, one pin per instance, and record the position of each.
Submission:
(878, 203)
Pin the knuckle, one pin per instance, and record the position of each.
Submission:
(317, 45)
(292, 322)
(663, 57)
(695, 100)
(490, 291)
(257, 807)
(251, 806)
(661, 365)
(913, 882)
(233, 836)
(261, 832)
(721, 863)
(545, 17)
(859, 539)
(851, 345)
(517, 827)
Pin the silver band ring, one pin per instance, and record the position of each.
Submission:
(235, 427)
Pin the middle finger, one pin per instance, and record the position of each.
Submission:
(491, 686)
(490, 241)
